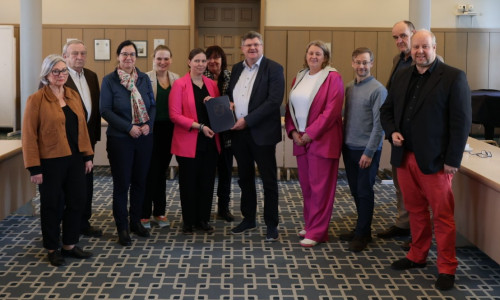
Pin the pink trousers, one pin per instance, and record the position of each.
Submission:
(318, 180)
(421, 191)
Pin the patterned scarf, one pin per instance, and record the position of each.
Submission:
(139, 112)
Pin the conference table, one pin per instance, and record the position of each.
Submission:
(486, 110)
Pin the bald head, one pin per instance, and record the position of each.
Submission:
(423, 49)
(401, 33)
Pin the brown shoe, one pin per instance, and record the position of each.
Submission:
(393, 231)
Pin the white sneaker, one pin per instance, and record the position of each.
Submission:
(302, 233)
(308, 243)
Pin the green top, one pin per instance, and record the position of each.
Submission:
(162, 103)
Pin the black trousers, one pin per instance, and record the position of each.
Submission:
(155, 200)
(196, 184)
(129, 160)
(247, 153)
(224, 171)
(62, 198)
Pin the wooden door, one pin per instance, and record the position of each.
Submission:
(223, 23)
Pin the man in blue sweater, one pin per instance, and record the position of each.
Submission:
(363, 139)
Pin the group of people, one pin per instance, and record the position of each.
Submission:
(424, 112)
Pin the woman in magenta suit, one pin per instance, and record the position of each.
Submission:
(194, 144)
(313, 120)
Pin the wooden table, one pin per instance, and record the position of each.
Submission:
(477, 198)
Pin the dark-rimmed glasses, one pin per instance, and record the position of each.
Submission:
(57, 72)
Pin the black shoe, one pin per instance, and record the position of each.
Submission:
(393, 231)
(124, 238)
(346, 236)
(225, 214)
(445, 282)
(272, 234)
(139, 230)
(76, 252)
(405, 264)
(91, 232)
(56, 259)
(204, 226)
(406, 245)
(187, 230)
(243, 226)
(359, 243)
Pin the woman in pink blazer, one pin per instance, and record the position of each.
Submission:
(313, 120)
(194, 144)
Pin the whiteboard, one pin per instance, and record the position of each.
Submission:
(7, 77)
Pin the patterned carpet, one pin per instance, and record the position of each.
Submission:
(170, 265)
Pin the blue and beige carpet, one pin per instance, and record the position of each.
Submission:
(170, 265)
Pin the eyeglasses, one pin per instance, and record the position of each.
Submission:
(131, 54)
(57, 72)
(483, 154)
(256, 45)
(82, 53)
(364, 63)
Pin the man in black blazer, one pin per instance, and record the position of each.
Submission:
(256, 88)
(427, 118)
(86, 83)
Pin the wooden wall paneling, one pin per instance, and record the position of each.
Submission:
(140, 35)
(494, 63)
(178, 42)
(70, 33)
(367, 39)
(89, 35)
(116, 36)
(296, 45)
(440, 44)
(343, 45)
(455, 50)
(51, 41)
(386, 50)
(274, 48)
(478, 48)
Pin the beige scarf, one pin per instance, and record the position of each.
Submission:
(139, 112)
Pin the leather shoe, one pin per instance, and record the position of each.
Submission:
(406, 245)
(405, 264)
(359, 243)
(124, 238)
(76, 252)
(445, 281)
(56, 259)
(204, 226)
(139, 230)
(393, 231)
(91, 232)
(225, 214)
(243, 226)
(187, 230)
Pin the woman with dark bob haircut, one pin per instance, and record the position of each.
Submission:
(127, 104)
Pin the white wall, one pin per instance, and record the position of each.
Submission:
(316, 13)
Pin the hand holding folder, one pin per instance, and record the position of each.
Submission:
(220, 114)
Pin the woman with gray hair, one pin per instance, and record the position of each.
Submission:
(57, 153)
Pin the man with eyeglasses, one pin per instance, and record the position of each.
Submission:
(86, 83)
(427, 117)
(256, 88)
(363, 137)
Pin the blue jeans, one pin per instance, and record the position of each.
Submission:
(361, 183)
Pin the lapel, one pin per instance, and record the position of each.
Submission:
(258, 79)
(235, 75)
(71, 84)
(433, 80)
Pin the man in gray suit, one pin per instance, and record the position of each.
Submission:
(86, 83)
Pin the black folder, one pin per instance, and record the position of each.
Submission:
(220, 114)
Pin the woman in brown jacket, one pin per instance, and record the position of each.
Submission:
(57, 152)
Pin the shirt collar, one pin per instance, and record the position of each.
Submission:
(74, 72)
(428, 71)
(363, 81)
(255, 65)
(402, 57)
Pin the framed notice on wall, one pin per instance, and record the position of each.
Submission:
(142, 48)
(102, 49)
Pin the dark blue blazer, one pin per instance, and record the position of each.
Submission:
(264, 117)
(441, 120)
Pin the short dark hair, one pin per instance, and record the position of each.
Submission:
(251, 35)
(362, 50)
(195, 52)
(217, 52)
(125, 44)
